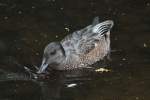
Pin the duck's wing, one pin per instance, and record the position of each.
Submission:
(83, 41)
(72, 41)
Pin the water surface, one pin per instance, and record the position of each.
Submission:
(26, 26)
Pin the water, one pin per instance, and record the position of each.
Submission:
(27, 26)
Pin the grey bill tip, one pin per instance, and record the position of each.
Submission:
(43, 67)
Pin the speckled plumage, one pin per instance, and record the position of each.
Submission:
(79, 49)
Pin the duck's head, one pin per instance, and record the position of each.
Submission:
(53, 54)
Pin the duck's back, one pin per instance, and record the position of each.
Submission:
(72, 42)
(88, 45)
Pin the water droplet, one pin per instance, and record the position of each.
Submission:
(33, 7)
(123, 14)
(61, 8)
(6, 17)
(148, 4)
(37, 53)
(123, 59)
(137, 98)
(145, 45)
(19, 12)
(56, 36)
(36, 40)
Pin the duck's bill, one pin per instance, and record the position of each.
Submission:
(43, 67)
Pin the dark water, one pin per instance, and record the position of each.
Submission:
(26, 26)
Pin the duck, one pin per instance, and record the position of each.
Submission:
(80, 49)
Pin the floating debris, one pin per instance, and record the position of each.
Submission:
(67, 29)
(102, 70)
(32, 73)
(71, 85)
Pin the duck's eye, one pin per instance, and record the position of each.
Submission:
(53, 52)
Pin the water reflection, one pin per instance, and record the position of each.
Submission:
(52, 89)
(21, 86)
